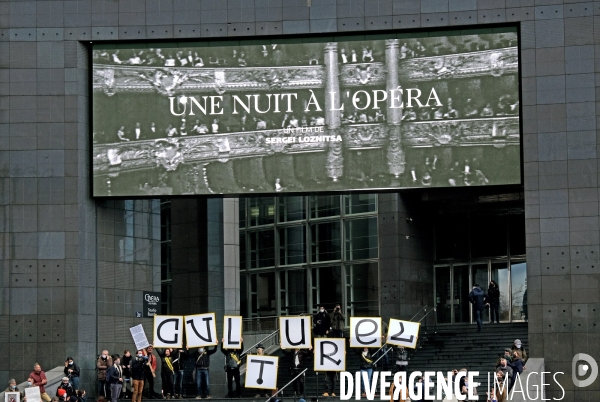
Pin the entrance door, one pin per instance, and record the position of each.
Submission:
(452, 292)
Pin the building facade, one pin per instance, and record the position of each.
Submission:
(73, 268)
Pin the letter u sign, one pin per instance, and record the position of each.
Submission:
(294, 332)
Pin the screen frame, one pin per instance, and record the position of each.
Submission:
(236, 40)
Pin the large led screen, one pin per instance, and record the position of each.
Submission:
(304, 115)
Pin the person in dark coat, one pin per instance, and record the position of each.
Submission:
(201, 371)
(233, 361)
(166, 371)
(66, 385)
(478, 300)
(366, 365)
(72, 371)
(126, 365)
(138, 373)
(494, 301)
(299, 356)
(322, 323)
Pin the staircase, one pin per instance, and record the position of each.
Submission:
(460, 346)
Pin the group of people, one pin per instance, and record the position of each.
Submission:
(67, 391)
(480, 301)
(507, 105)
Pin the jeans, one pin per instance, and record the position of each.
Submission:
(494, 312)
(299, 383)
(478, 315)
(369, 372)
(202, 383)
(74, 382)
(138, 388)
(178, 382)
(115, 391)
(330, 381)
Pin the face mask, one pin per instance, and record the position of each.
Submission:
(13, 386)
(201, 350)
(322, 310)
(70, 363)
(104, 357)
(118, 362)
(29, 383)
(466, 383)
(140, 355)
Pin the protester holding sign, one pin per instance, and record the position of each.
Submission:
(178, 358)
(39, 380)
(138, 372)
(150, 372)
(299, 356)
(233, 360)
(167, 371)
(260, 351)
(12, 387)
(366, 366)
(201, 371)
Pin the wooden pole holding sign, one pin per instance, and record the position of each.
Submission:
(201, 330)
(295, 332)
(168, 331)
(365, 332)
(232, 331)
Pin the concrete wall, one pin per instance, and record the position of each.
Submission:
(48, 227)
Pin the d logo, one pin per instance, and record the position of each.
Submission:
(580, 369)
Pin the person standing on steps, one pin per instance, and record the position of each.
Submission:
(322, 323)
(337, 322)
(299, 356)
(201, 371)
(494, 301)
(477, 299)
(233, 360)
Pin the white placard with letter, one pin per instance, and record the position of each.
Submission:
(139, 337)
(295, 332)
(201, 330)
(33, 394)
(168, 331)
(330, 354)
(12, 397)
(403, 333)
(232, 332)
(365, 332)
(261, 371)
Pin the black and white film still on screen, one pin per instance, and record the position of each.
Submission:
(436, 111)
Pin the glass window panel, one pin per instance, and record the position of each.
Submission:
(244, 295)
(462, 307)
(262, 248)
(261, 210)
(480, 277)
(518, 280)
(325, 238)
(500, 275)
(361, 238)
(328, 284)
(292, 248)
(242, 213)
(451, 237)
(243, 261)
(360, 203)
(364, 296)
(517, 234)
(324, 205)
(296, 293)
(265, 285)
(488, 236)
(442, 295)
(291, 208)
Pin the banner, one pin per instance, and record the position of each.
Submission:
(33, 394)
(168, 331)
(330, 354)
(201, 330)
(365, 332)
(261, 371)
(232, 332)
(295, 332)
(403, 333)
(181, 118)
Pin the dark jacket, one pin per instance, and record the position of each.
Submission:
(179, 358)
(233, 357)
(366, 361)
(138, 366)
(113, 374)
(494, 295)
(508, 372)
(322, 323)
(165, 360)
(9, 389)
(76, 370)
(477, 298)
(303, 355)
(126, 364)
(337, 320)
(67, 387)
(517, 366)
(202, 360)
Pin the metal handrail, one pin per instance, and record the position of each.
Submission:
(259, 342)
(419, 312)
(287, 385)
